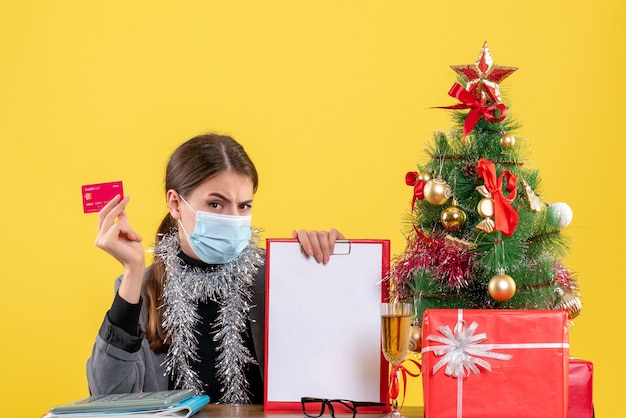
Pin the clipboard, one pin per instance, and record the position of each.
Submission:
(322, 324)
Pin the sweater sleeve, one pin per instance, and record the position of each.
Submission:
(121, 361)
(125, 315)
(120, 327)
(117, 362)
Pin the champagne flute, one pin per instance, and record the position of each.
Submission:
(395, 320)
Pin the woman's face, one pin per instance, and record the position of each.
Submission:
(227, 193)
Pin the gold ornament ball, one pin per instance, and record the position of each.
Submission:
(453, 218)
(415, 338)
(501, 287)
(507, 140)
(425, 176)
(571, 304)
(437, 191)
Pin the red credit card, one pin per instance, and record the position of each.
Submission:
(95, 196)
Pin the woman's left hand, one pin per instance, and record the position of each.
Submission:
(319, 244)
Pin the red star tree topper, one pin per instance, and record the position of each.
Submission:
(483, 77)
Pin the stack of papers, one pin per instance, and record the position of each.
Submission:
(171, 403)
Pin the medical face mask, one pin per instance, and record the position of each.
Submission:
(218, 239)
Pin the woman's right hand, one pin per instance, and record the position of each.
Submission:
(116, 237)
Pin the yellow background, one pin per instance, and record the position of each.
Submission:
(332, 101)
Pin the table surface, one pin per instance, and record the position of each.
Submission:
(214, 410)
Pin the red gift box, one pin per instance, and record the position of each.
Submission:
(580, 404)
(495, 363)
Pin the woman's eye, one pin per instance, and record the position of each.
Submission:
(215, 205)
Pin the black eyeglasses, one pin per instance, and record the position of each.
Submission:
(315, 407)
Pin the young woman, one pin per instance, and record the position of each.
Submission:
(195, 318)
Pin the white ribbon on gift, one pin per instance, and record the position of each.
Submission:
(461, 350)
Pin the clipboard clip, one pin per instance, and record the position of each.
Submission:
(342, 247)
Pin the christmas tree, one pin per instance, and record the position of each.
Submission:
(479, 235)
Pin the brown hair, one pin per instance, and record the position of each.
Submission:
(193, 162)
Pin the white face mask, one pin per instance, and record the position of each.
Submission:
(218, 239)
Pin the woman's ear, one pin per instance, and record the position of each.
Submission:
(173, 203)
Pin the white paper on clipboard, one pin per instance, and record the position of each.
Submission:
(323, 323)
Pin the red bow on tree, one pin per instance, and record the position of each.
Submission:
(412, 179)
(506, 217)
(478, 108)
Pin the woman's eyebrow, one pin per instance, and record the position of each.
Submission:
(226, 199)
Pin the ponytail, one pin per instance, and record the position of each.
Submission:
(159, 342)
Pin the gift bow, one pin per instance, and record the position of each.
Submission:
(478, 108)
(412, 179)
(506, 217)
(462, 349)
